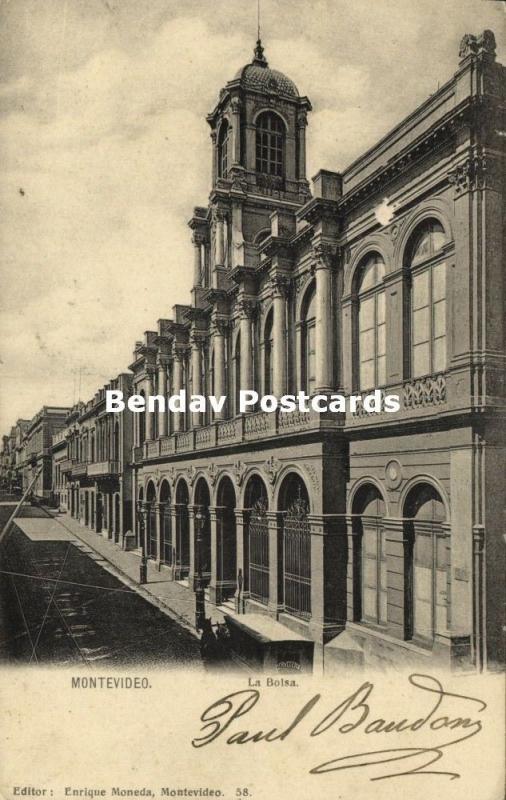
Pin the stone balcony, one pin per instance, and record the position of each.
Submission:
(66, 465)
(103, 469)
(420, 399)
(80, 469)
(252, 427)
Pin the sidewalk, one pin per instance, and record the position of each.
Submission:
(175, 600)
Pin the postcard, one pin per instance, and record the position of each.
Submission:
(252, 469)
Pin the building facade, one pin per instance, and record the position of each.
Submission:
(96, 472)
(376, 535)
(36, 447)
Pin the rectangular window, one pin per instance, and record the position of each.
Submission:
(374, 574)
(431, 575)
(372, 341)
(428, 321)
(310, 359)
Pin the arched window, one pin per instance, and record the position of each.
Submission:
(371, 323)
(296, 559)
(308, 332)
(428, 300)
(427, 564)
(270, 136)
(223, 149)
(268, 360)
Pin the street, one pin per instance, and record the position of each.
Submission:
(59, 605)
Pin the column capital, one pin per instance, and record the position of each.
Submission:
(198, 338)
(246, 308)
(199, 238)
(220, 326)
(324, 254)
(280, 285)
(219, 214)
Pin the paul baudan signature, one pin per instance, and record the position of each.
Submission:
(354, 713)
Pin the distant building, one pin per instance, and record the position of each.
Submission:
(36, 444)
(97, 469)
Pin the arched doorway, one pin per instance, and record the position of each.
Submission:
(427, 565)
(226, 555)
(86, 509)
(151, 533)
(296, 547)
(256, 545)
(202, 534)
(182, 543)
(369, 556)
(117, 517)
(166, 554)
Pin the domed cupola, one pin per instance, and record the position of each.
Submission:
(258, 131)
(259, 77)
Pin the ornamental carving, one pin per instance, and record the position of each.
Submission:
(213, 473)
(470, 174)
(191, 473)
(313, 476)
(171, 475)
(474, 45)
(239, 472)
(271, 469)
(246, 308)
(430, 391)
(324, 254)
(220, 326)
(280, 285)
(300, 281)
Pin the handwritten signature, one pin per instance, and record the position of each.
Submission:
(354, 714)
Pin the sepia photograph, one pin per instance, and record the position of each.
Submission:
(253, 399)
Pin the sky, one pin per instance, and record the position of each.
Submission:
(105, 151)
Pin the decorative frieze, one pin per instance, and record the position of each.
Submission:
(429, 391)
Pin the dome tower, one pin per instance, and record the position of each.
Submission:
(258, 133)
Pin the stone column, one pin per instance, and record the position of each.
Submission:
(242, 569)
(329, 556)
(192, 573)
(177, 374)
(150, 415)
(235, 105)
(215, 521)
(215, 156)
(275, 562)
(198, 241)
(158, 509)
(176, 555)
(323, 332)
(219, 259)
(301, 137)
(219, 339)
(246, 316)
(196, 344)
(395, 552)
(279, 351)
(162, 390)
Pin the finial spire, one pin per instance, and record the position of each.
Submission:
(259, 58)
